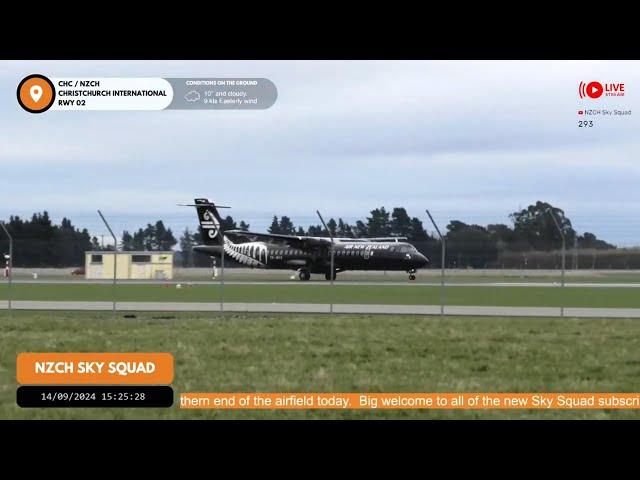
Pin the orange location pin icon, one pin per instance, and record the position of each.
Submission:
(36, 93)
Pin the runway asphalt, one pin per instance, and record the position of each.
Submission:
(325, 308)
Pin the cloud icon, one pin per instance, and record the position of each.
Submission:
(192, 96)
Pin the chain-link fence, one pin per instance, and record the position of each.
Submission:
(286, 273)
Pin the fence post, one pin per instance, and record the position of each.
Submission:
(10, 262)
(443, 255)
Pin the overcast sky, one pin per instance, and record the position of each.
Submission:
(471, 140)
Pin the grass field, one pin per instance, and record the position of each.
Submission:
(346, 353)
(304, 293)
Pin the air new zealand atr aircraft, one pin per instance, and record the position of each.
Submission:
(306, 255)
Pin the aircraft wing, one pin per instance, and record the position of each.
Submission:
(387, 239)
(295, 240)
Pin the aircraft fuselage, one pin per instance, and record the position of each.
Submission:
(347, 255)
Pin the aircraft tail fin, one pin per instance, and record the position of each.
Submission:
(210, 221)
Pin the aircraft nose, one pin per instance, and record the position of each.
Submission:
(421, 260)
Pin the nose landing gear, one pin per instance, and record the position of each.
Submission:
(412, 274)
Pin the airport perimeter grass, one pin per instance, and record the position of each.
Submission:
(323, 293)
(341, 353)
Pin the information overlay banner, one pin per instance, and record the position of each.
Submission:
(92, 396)
(38, 93)
(69, 368)
(372, 401)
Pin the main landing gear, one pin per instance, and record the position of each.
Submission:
(412, 274)
(327, 276)
(304, 274)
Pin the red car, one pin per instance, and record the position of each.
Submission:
(78, 271)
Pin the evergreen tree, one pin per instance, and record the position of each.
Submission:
(343, 229)
(333, 226)
(186, 247)
(535, 225)
(275, 226)
(400, 223)
(361, 229)
(228, 223)
(316, 231)
(378, 224)
(416, 230)
(139, 240)
(286, 226)
(126, 243)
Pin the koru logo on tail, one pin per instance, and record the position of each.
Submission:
(209, 224)
(207, 215)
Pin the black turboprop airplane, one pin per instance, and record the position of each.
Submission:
(306, 255)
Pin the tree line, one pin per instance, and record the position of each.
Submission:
(40, 243)
(468, 245)
(381, 223)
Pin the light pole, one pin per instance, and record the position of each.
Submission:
(443, 255)
(561, 231)
(115, 259)
(10, 262)
(332, 272)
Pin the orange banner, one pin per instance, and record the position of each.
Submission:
(55, 368)
(372, 401)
